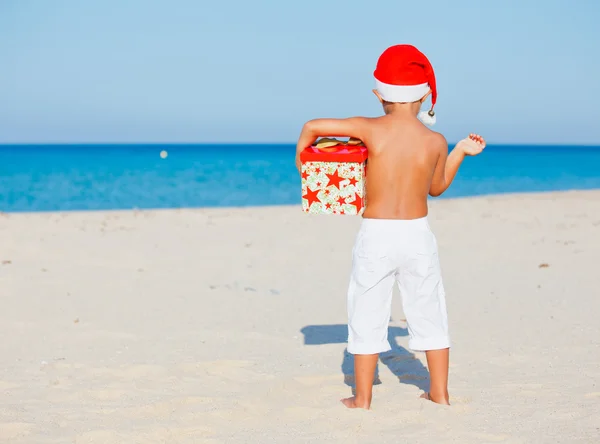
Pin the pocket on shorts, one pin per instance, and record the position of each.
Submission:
(370, 252)
(424, 258)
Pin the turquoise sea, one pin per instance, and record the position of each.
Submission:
(98, 177)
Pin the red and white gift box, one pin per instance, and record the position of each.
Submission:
(333, 179)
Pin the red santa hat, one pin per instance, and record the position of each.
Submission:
(404, 74)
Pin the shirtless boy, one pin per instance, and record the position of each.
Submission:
(407, 162)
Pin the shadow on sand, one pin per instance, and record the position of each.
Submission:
(401, 362)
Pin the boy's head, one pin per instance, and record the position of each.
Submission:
(405, 75)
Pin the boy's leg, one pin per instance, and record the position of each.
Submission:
(369, 310)
(424, 304)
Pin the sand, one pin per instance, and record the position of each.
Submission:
(228, 325)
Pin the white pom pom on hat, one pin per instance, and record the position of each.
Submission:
(427, 117)
(404, 74)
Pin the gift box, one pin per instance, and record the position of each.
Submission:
(333, 177)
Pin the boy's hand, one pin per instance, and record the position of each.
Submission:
(472, 145)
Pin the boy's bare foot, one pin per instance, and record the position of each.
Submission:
(441, 400)
(352, 403)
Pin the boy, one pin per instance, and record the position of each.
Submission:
(407, 162)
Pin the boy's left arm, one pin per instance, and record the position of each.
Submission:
(313, 129)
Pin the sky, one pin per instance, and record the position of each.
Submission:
(201, 71)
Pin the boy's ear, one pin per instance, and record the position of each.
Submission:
(425, 97)
(378, 95)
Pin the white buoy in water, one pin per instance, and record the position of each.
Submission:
(163, 154)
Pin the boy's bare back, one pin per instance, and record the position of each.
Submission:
(403, 154)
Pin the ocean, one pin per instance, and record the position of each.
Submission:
(103, 177)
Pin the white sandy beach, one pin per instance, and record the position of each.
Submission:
(228, 325)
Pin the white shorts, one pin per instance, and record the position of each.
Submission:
(404, 251)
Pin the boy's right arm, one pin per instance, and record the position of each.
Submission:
(447, 165)
(313, 129)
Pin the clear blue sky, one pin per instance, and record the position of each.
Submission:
(517, 71)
